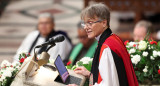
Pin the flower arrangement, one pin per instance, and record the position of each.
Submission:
(23, 56)
(145, 57)
(9, 70)
(85, 61)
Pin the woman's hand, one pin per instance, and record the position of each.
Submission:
(83, 71)
(72, 85)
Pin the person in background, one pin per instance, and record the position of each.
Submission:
(111, 64)
(141, 29)
(45, 31)
(85, 48)
(158, 35)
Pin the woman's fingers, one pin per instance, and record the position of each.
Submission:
(82, 70)
(72, 85)
(79, 68)
(78, 71)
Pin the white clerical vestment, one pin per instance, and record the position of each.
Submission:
(61, 48)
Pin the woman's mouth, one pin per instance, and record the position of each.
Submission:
(88, 32)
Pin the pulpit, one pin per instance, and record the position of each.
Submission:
(31, 74)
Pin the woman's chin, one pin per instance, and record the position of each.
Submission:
(91, 36)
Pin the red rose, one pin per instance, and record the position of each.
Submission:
(68, 63)
(134, 45)
(125, 43)
(153, 42)
(159, 71)
(21, 60)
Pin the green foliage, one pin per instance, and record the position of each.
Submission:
(79, 63)
(147, 67)
(11, 70)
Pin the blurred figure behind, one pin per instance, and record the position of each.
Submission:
(85, 48)
(42, 34)
(141, 29)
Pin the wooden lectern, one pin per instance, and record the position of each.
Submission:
(33, 74)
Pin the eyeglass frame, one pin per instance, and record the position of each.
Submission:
(83, 24)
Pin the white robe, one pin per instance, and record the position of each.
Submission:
(107, 69)
(61, 48)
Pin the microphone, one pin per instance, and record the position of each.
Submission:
(51, 41)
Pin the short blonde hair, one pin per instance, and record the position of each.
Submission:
(100, 10)
(146, 24)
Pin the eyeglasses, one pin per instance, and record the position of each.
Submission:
(83, 24)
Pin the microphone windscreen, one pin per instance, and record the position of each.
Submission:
(59, 39)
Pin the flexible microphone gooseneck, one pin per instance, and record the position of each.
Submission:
(52, 41)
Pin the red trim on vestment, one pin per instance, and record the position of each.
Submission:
(102, 48)
(117, 46)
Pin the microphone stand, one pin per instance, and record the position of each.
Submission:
(44, 58)
(50, 47)
(35, 63)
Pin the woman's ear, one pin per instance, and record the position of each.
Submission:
(104, 23)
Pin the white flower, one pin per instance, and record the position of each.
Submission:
(127, 46)
(152, 58)
(149, 48)
(2, 78)
(131, 55)
(131, 44)
(3, 70)
(5, 63)
(15, 63)
(145, 54)
(146, 66)
(18, 67)
(158, 53)
(145, 70)
(10, 69)
(142, 45)
(7, 73)
(155, 53)
(132, 50)
(136, 59)
(86, 60)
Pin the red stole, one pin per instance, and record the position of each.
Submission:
(116, 45)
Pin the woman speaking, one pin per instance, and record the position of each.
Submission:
(111, 63)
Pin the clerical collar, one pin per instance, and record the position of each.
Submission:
(98, 37)
(107, 31)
